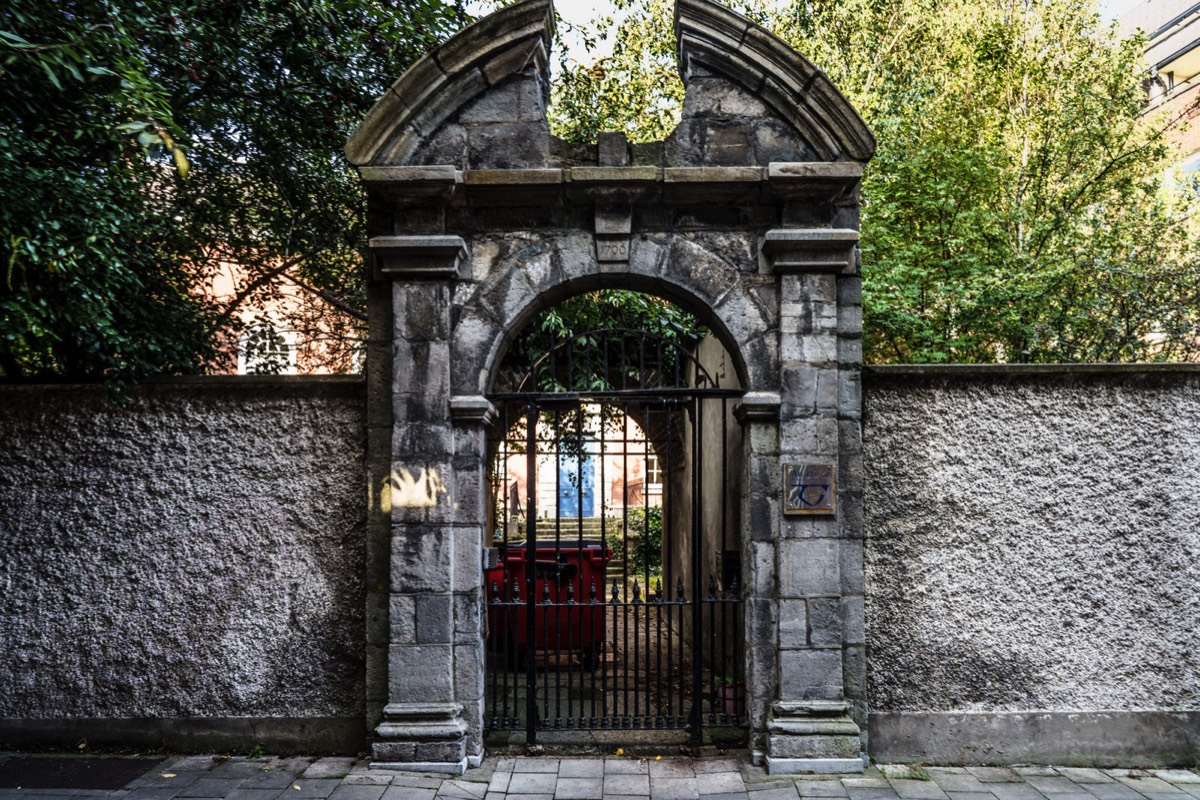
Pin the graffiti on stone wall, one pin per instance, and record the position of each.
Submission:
(404, 490)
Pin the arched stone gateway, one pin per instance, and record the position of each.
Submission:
(747, 214)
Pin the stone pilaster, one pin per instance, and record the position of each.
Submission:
(758, 414)
(809, 728)
(431, 707)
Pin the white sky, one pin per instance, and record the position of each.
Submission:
(1115, 9)
(575, 12)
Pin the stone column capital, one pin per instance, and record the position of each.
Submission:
(472, 409)
(417, 257)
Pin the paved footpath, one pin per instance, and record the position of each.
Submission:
(618, 778)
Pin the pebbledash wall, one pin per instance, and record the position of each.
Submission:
(1033, 564)
(185, 570)
(188, 569)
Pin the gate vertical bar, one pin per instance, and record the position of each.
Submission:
(530, 571)
(697, 545)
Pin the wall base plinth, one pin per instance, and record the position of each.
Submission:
(812, 736)
(816, 766)
(421, 736)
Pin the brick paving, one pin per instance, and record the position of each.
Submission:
(619, 778)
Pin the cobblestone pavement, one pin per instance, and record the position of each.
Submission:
(619, 778)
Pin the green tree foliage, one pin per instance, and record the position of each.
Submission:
(635, 90)
(1015, 209)
(145, 143)
(574, 320)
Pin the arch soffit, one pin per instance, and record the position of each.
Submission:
(730, 45)
(493, 342)
(477, 58)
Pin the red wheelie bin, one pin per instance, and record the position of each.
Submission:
(568, 595)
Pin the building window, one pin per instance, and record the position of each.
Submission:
(654, 475)
(266, 350)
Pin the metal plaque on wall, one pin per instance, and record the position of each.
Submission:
(809, 488)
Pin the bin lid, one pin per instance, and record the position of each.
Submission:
(561, 544)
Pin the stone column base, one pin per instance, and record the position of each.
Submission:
(812, 736)
(421, 737)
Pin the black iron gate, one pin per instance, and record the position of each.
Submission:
(613, 582)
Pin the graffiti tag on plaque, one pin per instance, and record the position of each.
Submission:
(809, 488)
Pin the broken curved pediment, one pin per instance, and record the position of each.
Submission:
(479, 100)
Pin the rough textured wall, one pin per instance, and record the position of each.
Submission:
(198, 553)
(1033, 540)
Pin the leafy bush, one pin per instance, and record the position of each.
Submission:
(645, 540)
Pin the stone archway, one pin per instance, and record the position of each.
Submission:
(747, 213)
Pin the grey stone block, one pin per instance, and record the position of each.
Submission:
(421, 558)
(793, 623)
(348, 792)
(417, 781)
(870, 793)
(814, 437)
(579, 788)
(617, 783)
(613, 149)
(408, 793)
(402, 613)
(671, 768)
(762, 512)
(849, 352)
(314, 787)
(994, 774)
(469, 617)
(850, 321)
(508, 145)
(809, 567)
(517, 100)
(434, 619)
(467, 557)
(957, 781)
(253, 794)
(664, 788)
(421, 311)
(421, 440)
(711, 783)
(825, 620)
(810, 674)
(817, 746)
(821, 788)
(469, 671)
(917, 790)
(211, 787)
(853, 618)
(1109, 791)
(533, 782)
(581, 768)
(849, 394)
(420, 671)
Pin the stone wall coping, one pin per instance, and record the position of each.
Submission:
(510, 177)
(219, 382)
(501, 187)
(1013, 370)
(778, 238)
(418, 245)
